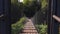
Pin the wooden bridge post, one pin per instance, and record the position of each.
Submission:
(53, 24)
(56, 8)
(5, 19)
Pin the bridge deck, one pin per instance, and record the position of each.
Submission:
(29, 28)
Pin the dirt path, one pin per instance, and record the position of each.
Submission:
(29, 28)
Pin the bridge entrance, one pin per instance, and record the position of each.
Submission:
(39, 20)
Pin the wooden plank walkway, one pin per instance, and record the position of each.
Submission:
(29, 28)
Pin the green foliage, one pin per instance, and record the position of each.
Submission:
(44, 3)
(14, 1)
(17, 26)
(25, 2)
(42, 29)
(28, 2)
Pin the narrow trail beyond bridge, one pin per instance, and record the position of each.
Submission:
(29, 28)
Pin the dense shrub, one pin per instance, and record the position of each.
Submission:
(42, 29)
(17, 26)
